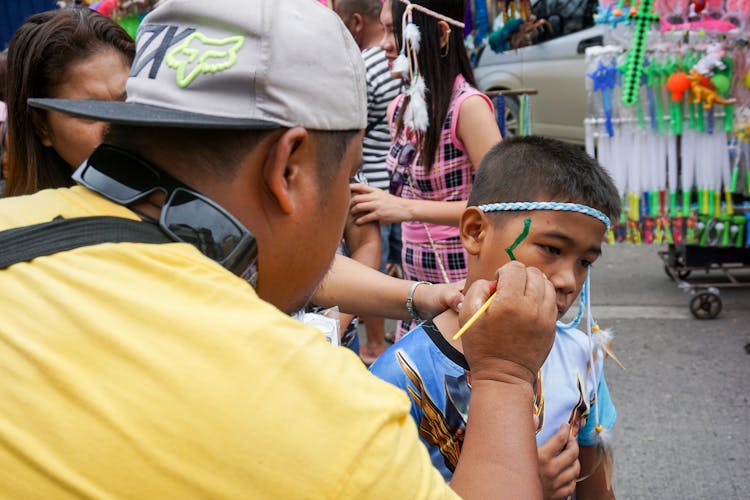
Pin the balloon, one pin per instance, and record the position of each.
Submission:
(677, 84)
(721, 82)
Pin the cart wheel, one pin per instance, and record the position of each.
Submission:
(705, 305)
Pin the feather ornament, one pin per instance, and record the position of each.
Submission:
(412, 36)
(604, 445)
(603, 339)
(400, 68)
(416, 116)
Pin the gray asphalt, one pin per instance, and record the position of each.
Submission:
(683, 428)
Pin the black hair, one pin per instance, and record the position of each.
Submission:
(213, 152)
(3, 73)
(541, 169)
(40, 53)
(439, 71)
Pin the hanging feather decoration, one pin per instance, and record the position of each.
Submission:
(412, 35)
(604, 446)
(603, 339)
(400, 68)
(415, 116)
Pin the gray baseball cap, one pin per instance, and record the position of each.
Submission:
(238, 64)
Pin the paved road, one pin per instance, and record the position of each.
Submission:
(683, 429)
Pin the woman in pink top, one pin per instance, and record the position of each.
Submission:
(432, 170)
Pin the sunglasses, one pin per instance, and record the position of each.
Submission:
(186, 216)
(400, 174)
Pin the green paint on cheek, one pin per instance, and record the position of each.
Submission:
(521, 237)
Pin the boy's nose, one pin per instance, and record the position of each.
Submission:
(564, 280)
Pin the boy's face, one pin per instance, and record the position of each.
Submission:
(560, 244)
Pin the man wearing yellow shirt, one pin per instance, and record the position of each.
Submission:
(144, 370)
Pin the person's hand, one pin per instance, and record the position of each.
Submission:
(514, 335)
(558, 464)
(370, 204)
(435, 299)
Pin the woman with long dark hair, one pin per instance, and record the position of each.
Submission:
(441, 126)
(69, 53)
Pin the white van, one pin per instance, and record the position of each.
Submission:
(554, 66)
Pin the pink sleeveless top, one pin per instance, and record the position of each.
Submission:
(450, 177)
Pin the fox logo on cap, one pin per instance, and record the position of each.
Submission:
(204, 54)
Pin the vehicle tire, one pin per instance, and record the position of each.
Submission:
(705, 305)
(511, 116)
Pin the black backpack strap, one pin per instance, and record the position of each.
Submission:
(59, 235)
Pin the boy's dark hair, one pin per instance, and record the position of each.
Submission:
(541, 169)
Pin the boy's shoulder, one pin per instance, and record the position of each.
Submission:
(423, 352)
(573, 338)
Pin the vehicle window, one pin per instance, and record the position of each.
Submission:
(565, 16)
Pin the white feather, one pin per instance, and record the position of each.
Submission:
(400, 68)
(413, 36)
(416, 116)
(602, 337)
(604, 440)
(418, 87)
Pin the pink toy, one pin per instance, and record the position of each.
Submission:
(710, 24)
(106, 7)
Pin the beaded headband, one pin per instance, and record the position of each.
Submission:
(546, 205)
(432, 13)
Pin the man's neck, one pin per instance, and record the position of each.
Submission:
(371, 37)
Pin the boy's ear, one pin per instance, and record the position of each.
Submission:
(283, 167)
(473, 228)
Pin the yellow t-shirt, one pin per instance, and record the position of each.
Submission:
(148, 371)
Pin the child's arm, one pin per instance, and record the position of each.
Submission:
(558, 464)
(363, 242)
(595, 486)
(593, 464)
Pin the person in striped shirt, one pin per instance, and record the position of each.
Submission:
(362, 19)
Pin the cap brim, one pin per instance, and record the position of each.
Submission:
(131, 113)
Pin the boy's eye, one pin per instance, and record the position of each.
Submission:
(586, 263)
(551, 250)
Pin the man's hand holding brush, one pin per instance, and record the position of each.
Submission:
(505, 347)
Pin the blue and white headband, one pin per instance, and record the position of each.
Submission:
(546, 205)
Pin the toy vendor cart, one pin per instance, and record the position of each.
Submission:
(680, 261)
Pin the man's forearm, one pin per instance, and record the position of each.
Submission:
(498, 457)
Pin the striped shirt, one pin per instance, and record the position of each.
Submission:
(381, 90)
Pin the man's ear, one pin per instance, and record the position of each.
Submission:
(283, 166)
(40, 127)
(473, 228)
